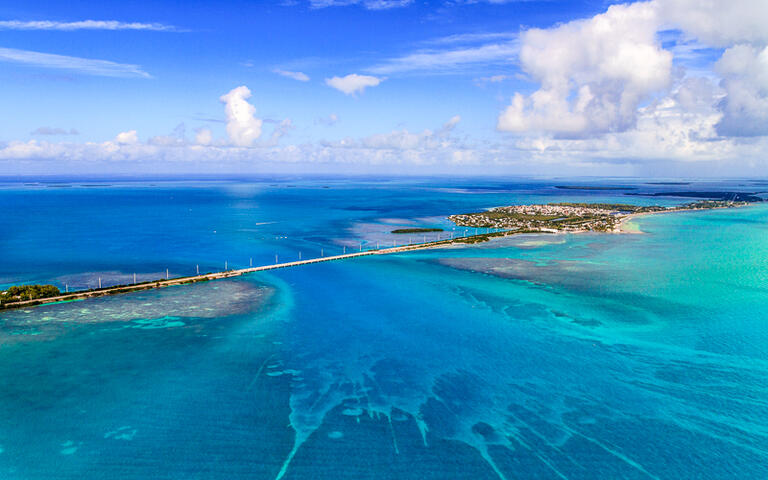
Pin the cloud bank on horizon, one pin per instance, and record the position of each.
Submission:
(632, 89)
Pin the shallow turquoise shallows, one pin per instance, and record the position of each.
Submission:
(534, 356)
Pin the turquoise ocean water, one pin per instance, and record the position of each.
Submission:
(534, 356)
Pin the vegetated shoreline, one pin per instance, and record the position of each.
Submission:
(620, 228)
(568, 217)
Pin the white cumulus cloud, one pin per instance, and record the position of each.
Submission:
(243, 127)
(352, 83)
(739, 26)
(717, 23)
(593, 73)
(127, 138)
(745, 79)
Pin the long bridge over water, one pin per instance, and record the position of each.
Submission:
(135, 287)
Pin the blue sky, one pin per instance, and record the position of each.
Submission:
(382, 85)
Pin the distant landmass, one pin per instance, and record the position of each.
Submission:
(588, 187)
(416, 230)
(667, 183)
(725, 196)
(570, 217)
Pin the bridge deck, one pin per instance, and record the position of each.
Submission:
(213, 276)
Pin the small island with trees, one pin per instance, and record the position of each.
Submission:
(28, 292)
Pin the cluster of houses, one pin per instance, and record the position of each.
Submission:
(544, 218)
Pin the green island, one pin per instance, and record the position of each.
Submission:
(28, 292)
(416, 230)
(569, 217)
(33, 295)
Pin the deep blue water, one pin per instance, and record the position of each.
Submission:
(72, 232)
(555, 356)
